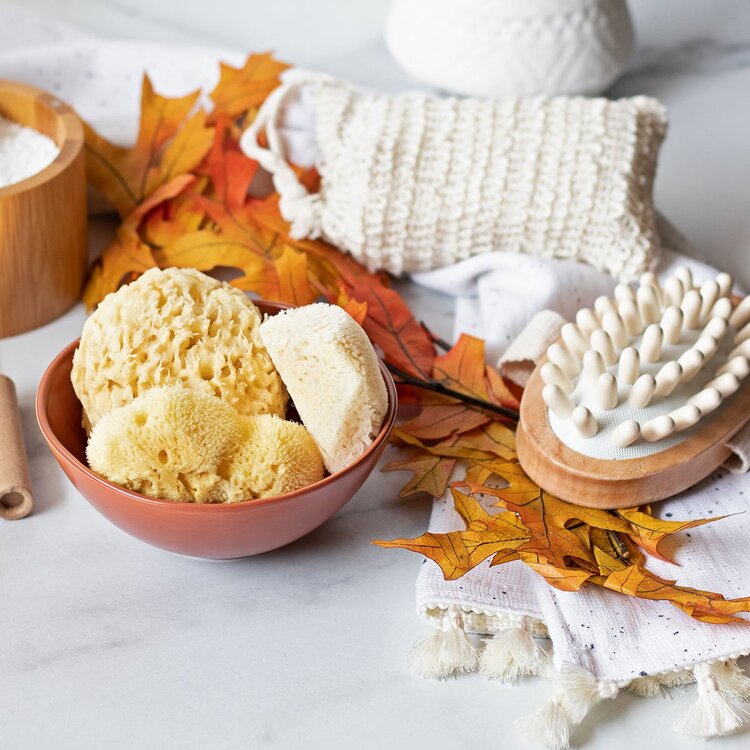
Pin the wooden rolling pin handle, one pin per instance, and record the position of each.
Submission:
(16, 500)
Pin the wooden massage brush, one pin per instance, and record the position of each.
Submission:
(637, 399)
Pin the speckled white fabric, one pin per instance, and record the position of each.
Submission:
(615, 637)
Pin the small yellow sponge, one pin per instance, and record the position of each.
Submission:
(168, 444)
(177, 444)
(275, 457)
(175, 327)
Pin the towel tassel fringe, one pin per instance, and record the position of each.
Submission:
(447, 651)
(715, 712)
(513, 652)
(577, 693)
(657, 685)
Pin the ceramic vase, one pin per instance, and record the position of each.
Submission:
(511, 47)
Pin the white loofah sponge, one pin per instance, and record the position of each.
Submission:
(177, 444)
(331, 371)
(175, 327)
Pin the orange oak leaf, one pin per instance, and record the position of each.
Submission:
(463, 369)
(168, 145)
(439, 421)
(432, 464)
(458, 552)
(245, 88)
(431, 473)
(542, 514)
(649, 532)
(544, 530)
(489, 440)
(562, 578)
(635, 580)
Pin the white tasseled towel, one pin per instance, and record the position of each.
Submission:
(414, 182)
(601, 641)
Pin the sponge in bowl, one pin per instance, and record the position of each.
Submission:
(177, 444)
(168, 443)
(332, 374)
(274, 457)
(175, 327)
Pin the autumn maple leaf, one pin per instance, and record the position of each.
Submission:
(169, 144)
(242, 90)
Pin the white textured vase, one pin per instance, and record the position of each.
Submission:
(512, 47)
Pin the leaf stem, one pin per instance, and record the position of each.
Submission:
(432, 385)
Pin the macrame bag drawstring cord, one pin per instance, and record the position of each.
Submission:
(298, 206)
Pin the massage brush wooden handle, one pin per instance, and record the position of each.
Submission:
(630, 354)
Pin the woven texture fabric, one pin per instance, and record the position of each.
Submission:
(413, 182)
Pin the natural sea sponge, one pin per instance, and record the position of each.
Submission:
(178, 444)
(168, 443)
(175, 327)
(331, 371)
(274, 457)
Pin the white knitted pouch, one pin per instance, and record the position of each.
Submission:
(414, 182)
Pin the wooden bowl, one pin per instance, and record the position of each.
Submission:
(42, 218)
(210, 531)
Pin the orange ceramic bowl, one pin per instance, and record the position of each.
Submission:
(212, 531)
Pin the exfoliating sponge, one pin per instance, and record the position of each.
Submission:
(175, 327)
(331, 372)
(274, 457)
(168, 443)
(177, 444)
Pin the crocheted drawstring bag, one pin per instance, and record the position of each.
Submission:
(413, 182)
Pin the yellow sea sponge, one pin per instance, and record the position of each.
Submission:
(274, 457)
(175, 327)
(178, 444)
(168, 443)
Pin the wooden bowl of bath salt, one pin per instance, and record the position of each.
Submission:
(42, 208)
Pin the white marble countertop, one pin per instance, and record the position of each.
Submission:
(106, 642)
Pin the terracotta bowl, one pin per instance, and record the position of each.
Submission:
(209, 531)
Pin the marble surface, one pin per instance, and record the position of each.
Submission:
(106, 642)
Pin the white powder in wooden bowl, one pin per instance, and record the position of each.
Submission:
(23, 152)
